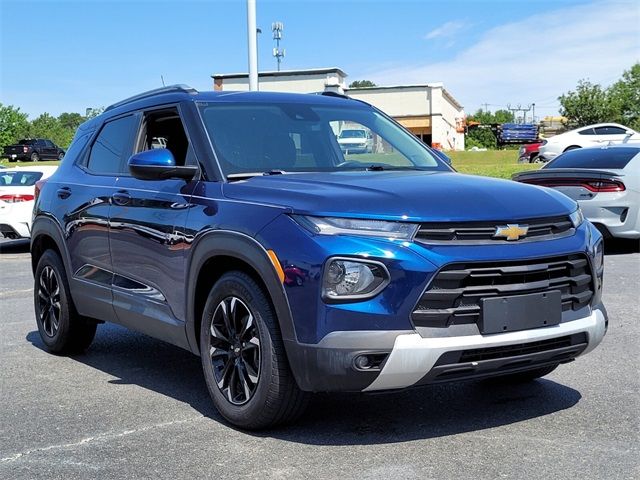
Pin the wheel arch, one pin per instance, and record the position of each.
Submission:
(222, 251)
(46, 234)
(571, 147)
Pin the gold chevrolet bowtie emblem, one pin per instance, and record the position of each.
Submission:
(511, 232)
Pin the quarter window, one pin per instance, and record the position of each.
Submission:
(112, 144)
(587, 131)
(610, 130)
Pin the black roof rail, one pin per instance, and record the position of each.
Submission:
(333, 94)
(151, 93)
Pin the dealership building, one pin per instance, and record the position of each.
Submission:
(428, 110)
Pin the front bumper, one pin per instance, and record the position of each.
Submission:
(412, 359)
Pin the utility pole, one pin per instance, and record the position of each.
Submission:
(252, 43)
(486, 107)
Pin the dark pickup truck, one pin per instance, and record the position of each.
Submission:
(33, 149)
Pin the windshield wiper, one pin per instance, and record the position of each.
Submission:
(244, 175)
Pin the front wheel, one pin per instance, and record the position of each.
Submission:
(61, 328)
(60, 155)
(243, 357)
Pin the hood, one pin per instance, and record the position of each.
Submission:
(410, 196)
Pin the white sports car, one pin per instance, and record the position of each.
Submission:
(605, 181)
(17, 195)
(589, 136)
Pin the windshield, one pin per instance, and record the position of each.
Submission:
(615, 158)
(19, 179)
(294, 137)
(353, 134)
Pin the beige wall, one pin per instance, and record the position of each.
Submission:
(400, 102)
(285, 83)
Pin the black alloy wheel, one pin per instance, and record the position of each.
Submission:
(49, 301)
(234, 348)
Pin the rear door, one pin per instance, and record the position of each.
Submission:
(147, 221)
(82, 207)
(610, 133)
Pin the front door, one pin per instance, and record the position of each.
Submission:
(147, 219)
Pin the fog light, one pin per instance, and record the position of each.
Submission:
(346, 279)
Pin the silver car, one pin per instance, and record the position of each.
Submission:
(605, 181)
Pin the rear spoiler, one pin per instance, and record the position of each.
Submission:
(560, 172)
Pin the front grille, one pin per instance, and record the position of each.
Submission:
(455, 294)
(484, 232)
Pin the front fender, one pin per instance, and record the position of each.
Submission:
(248, 250)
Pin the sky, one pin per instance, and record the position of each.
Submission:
(65, 56)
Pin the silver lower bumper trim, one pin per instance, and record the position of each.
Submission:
(413, 356)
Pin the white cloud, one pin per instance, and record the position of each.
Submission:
(445, 30)
(535, 59)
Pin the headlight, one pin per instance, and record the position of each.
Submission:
(577, 218)
(346, 279)
(350, 226)
(598, 257)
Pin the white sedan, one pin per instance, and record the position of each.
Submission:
(17, 197)
(589, 136)
(605, 181)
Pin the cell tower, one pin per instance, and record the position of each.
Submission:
(277, 28)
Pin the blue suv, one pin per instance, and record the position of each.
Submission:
(233, 224)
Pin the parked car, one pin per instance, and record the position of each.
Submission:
(252, 241)
(588, 136)
(356, 141)
(529, 153)
(34, 150)
(605, 181)
(17, 195)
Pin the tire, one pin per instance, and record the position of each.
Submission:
(35, 157)
(525, 376)
(60, 155)
(62, 329)
(535, 158)
(247, 374)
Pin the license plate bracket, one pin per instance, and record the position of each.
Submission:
(520, 312)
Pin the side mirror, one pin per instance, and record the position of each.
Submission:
(158, 164)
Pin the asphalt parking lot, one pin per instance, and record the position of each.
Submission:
(134, 407)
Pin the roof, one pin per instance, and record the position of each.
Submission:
(180, 93)
(283, 73)
(445, 92)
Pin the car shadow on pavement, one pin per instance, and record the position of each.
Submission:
(15, 246)
(619, 246)
(331, 419)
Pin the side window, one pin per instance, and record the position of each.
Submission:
(112, 144)
(48, 143)
(164, 129)
(587, 131)
(610, 130)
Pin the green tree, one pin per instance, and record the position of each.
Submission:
(47, 126)
(588, 104)
(362, 84)
(13, 125)
(625, 98)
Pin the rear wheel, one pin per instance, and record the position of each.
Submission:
(35, 157)
(61, 328)
(243, 357)
(525, 376)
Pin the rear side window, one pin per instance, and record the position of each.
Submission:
(113, 143)
(19, 179)
(587, 131)
(615, 158)
(611, 130)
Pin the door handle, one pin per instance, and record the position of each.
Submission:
(121, 198)
(63, 192)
